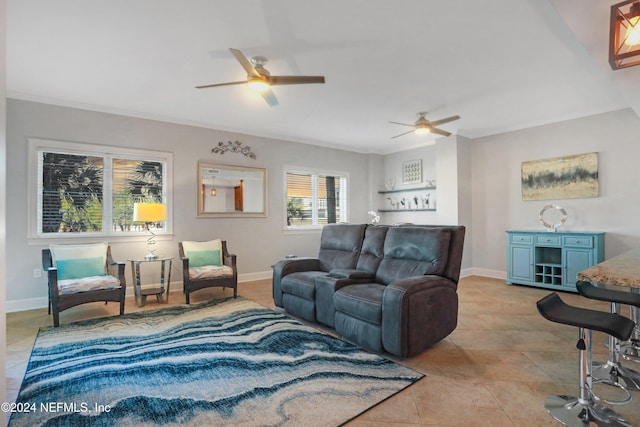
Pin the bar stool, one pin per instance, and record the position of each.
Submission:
(611, 371)
(585, 409)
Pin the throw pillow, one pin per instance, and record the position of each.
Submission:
(76, 261)
(201, 254)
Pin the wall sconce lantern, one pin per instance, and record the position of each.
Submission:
(624, 35)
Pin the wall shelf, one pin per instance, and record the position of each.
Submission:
(406, 210)
(404, 190)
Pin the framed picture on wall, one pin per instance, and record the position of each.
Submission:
(567, 177)
(412, 172)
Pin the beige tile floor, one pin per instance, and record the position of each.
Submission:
(495, 369)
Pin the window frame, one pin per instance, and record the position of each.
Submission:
(35, 190)
(315, 173)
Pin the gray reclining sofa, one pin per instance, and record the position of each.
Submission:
(386, 288)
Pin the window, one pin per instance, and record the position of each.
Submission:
(87, 190)
(315, 198)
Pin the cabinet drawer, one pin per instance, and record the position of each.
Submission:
(548, 240)
(521, 238)
(578, 241)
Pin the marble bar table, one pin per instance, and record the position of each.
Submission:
(623, 271)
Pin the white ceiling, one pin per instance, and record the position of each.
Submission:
(500, 64)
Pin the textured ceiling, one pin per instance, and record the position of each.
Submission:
(501, 65)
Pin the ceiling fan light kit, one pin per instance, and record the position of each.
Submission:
(624, 35)
(260, 80)
(258, 84)
(422, 129)
(422, 126)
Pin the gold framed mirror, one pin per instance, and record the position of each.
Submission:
(231, 191)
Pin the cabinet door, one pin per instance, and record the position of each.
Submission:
(575, 260)
(520, 264)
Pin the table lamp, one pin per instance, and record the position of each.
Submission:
(150, 213)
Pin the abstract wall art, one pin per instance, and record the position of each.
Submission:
(567, 177)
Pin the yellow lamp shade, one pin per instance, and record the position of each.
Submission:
(149, 212)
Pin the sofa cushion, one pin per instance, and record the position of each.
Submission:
(340, 246)
(302, 284)
(413, 251)
(210, 272)
(87, 284)
(372, 248)
(362, 301)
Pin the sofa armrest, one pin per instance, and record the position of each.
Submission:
(288, 266)
(417, 312)
(340, 273)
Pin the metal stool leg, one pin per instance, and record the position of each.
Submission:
(630, 350)
(583, 410)
(611, 371)
(587, 408)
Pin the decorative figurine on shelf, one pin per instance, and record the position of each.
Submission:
(426, 201)
(390, 184)
(375, 217)
(403, 203)
(415, 200)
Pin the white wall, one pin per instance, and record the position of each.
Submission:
(391, 168)
(497, 203)
(3, 192)
(188, 144)
(448, 161)
(478, 185)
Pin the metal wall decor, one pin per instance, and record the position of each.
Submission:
(233, 147)
(412, 172)
(554, 213)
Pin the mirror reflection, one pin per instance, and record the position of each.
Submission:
(231, 190)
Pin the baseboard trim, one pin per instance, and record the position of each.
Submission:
(37, 303)
(41, 302)
(484, 272)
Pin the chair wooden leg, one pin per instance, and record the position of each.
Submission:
(186, 296)
(56, 317)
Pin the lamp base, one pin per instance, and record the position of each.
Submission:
(150, 257)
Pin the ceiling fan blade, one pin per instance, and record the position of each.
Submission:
(295, 80)
(403, 124)
(222, 84)
(270, 97)
(402, 134)
(438, 131)
(246, 64)
(442, 121)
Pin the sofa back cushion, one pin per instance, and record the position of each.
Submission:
(413, 251)
(340, 246)
(372, 248)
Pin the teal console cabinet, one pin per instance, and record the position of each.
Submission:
(551, 260)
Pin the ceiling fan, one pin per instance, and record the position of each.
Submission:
(423, 126)
(259, 79)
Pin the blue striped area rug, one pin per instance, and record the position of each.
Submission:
(230, 362)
